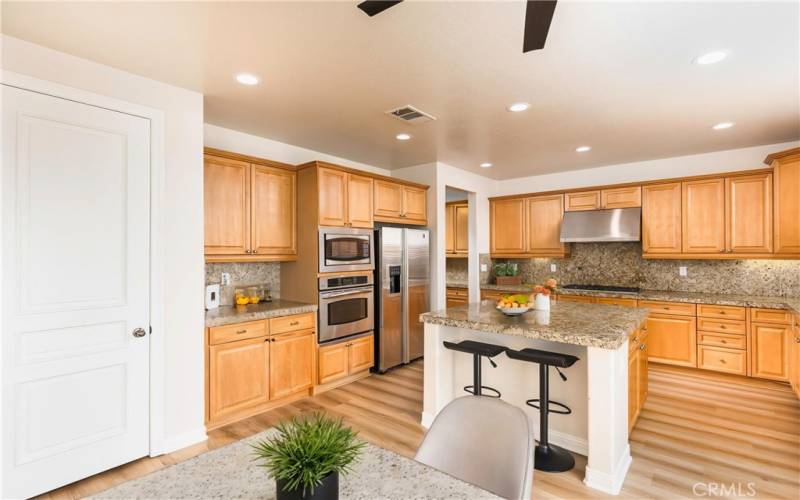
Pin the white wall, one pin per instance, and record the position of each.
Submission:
(680, 166)
(239, 142)
(181, 224)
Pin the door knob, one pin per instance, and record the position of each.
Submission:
(139, 332)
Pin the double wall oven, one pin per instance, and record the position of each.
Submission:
(346, 304)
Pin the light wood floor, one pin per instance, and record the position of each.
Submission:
(696, 428)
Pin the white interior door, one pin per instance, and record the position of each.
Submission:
(76, 267)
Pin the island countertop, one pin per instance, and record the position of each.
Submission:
(226, 315)
(589, 325)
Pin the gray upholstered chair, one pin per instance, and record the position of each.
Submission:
(484, 441)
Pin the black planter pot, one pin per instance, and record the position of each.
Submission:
(328, 489)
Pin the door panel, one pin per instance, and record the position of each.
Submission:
(238, 374)
(76, 197)
(770, 351)
(390, 335)
(361, 354)
(418, 286)
(450, 229)
(584, 200)
(624, 197)
(748, 204)
(226, 192)
(704, 216)
(414, 204)
(332, 362)
(388, 199)
(273, 211)
(507, 226)
(291, 363)
(672, 340)
(461, 240)
(359, 201)
(545, 214)
(661, 218)
(787, 205)
(332, 197)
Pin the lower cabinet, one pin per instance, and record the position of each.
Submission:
(637, 375)
(239, 376)
(292, 366)
(769, 353)
(673, 339)
(345, 358)
(794, 357)
(456, 297)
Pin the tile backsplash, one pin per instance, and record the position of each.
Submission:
(244, 273)
(622, 264)
(456, 269)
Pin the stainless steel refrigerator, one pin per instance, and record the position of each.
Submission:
(402, 292)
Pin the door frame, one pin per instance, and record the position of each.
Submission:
(157, 437)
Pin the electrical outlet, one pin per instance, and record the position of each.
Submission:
(484, 268)
(225, 279)
(553, 268)
(683, 271)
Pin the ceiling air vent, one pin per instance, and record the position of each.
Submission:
(410, 114)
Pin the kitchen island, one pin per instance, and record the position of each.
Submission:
(597, 385)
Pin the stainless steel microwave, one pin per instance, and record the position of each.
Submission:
(345, 249)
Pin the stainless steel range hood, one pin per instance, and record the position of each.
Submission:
(616, 224)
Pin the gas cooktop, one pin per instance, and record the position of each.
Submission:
(602, 288)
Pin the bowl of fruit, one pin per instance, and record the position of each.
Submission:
(513, 305)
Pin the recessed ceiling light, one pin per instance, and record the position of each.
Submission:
(722, 126)
(519, 106)
(711, 58)
(246, 79)
(403, 137)
(486, 164)
(583, 149)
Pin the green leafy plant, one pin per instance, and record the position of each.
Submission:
(505, 269)
(307, 449)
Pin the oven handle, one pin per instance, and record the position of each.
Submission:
(358, 291)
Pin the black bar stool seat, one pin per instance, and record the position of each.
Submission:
(478, 350)
(548, 457)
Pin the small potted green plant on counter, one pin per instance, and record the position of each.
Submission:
(505, 273)
(307, 455)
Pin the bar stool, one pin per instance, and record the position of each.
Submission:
(478, 350)
(548, 457)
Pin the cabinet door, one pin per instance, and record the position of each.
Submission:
(748, 213)
(672, 340)
(661, 218)
(770, 351)
(388, 199)
(291, 363)
(226, 192)
(332, 197)
(624, 197)
(644, 353)
(359, 201)
(456, 301)
(545, 214)
(450, 229)
(274, 228)
(633, 386)
(332, 362)
(794, 359)
(414, 204)
(361, 355)
(238, 376)
(507, 226)
(461, 239)
(577, 298)
(787, 206)
(704, 216)
(585, 200)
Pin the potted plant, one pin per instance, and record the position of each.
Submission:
(540, 294)
(505, 273)
(307, 455)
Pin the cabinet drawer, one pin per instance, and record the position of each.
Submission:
(456, 292)
(292, 323)
(779, 316)
(721, 312)
(722, 340)
(722, 360)
(577, 298)
(722, 326)
(677, 308)
(617, 301)
(237, 331)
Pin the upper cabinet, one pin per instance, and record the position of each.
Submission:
(748, 214)
(583, 200)
(786, 185)
(250, 209)
(399, 202)
(345, 199)
(527, 227)
(621, 197)
(661, 218)
(704, 216)
(359, 201)
(456, 229)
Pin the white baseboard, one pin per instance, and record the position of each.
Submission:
(609, 483)
(568, 441)
(183, 440)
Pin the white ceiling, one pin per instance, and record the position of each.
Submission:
(616, 76)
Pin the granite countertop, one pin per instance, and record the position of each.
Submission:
(590, 325)
(226, 315)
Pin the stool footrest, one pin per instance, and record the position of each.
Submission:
(471, 389)
(565, 410)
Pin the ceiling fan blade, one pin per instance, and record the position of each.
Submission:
(538, 15)
(373, 7)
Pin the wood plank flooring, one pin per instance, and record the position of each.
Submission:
(699, 434)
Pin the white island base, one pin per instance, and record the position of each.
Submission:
(596, 391)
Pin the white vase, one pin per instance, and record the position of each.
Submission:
(542, 302)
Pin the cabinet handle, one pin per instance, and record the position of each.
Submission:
(722, 361)
(723, 327)
(247, 251)
(241, 331)
(255, 251)
(642, 347)
(797, 340)
(294, 323)
(666, 308)
(724, 341)
(722, 312)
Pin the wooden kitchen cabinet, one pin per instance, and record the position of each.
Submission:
(450, 230)
(388, 199)
(250, 209)
(544, 218)
(362, 355)
(396, 202)
(507, 227)
(292, 366)
(582, 200)
(703, 221)
(661, 219)
(673, 339)
(794, 357)
(332, 185)
(637, 375)
(786, 191)
(456, 229)
(347, 358)
(769, 355)
(226, 191)
(623, 197)
(415, 201)
(748, 214)
(333, 363)
(238, 376)
(456, 296)
(359, 201)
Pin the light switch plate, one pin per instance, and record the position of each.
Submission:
(484, 268)
(225, 279)
(683, 271)
(553, 268)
